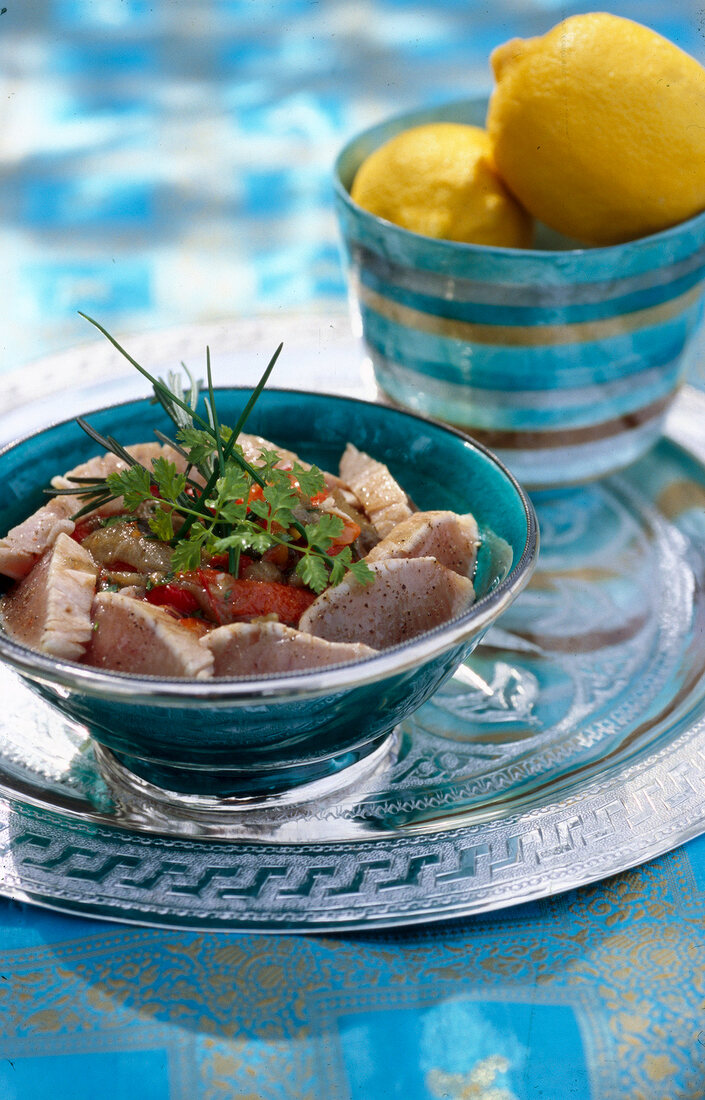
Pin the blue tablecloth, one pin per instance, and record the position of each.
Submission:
(168, 161)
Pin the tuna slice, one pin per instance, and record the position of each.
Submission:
(450, 539)
(256, 649)
(50, 610)
(253, 445)
(382, 498)
(408, 596)
(24, 545)
(132, 636)
(108, 463)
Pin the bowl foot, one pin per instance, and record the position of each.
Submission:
(176, 791)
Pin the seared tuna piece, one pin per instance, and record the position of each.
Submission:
(132, 636)
(257, 649)
(409, 595)
(134, 591)
(24, 545)
(108, 463)
(382, 498)
(50, 610)
(449, 538)
(253, 445)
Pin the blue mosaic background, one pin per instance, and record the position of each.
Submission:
(167, 161)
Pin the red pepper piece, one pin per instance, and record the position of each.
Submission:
(232, 600)
(221, 562)
(350, 532)
(121, 567)
(84, 528)
(255, 493)
(173, 595)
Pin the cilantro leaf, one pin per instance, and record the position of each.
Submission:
(161, 524)
(322, 533)
(260, 508)
(132, 484)
(268, 460)
(187, 556)
(313, 572)
(361, 572)
(311, 481)
(239, 540)
(260, 540)
(232, 490)
(233, 511)
(169, 482)
(187, 552)
(282, 500)
(199, 444)
(338, 567)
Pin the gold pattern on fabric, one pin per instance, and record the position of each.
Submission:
(478, 1084)
(268, 1012)
(687, 890)
(637, 966)
(285, 1075)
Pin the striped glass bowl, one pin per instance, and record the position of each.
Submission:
(564, 360)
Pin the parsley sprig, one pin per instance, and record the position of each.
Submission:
(221, 503)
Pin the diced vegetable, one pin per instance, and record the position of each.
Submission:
(173, 595)
(232, 600)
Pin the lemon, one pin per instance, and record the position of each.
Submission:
(598, 127)
(440, 180)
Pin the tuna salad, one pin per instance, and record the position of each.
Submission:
(219, 554)
(104, 590)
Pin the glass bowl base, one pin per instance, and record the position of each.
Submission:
(241, 795)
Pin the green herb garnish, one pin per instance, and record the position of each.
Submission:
(232, 506)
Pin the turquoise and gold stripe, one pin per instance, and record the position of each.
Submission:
(565, 362)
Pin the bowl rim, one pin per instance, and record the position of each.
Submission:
(462, 248)
(153, 690)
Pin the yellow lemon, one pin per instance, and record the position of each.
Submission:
(598, 127)
(440, 180)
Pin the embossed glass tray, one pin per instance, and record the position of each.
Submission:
(570, 746)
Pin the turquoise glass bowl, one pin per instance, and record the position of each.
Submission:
(223, 737)
(563, 360)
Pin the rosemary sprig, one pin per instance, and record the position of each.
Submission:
(238, 506)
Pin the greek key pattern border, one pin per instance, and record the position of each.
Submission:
(607, 827)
